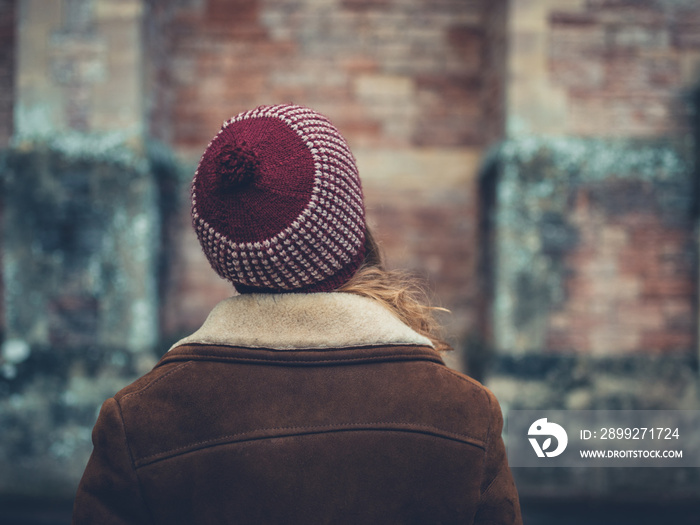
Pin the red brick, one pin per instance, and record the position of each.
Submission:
(232, 13)
(678, 287)
(573, 18)
(468, 42)
(362, 5)
(667, 342)
(578, 74)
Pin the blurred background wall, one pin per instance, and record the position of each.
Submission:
(533, 160)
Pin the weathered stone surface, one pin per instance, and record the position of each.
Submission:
(592, 247)
(553, 382)
(81, 246)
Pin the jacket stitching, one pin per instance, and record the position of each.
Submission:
(486, 449)
(465, 379)
(281, 348)
(152, 383)
(493, 482)
(133, 463)
(221, 440)
(488, 430)
(292, 349)
(200, 357)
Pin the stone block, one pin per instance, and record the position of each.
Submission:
(384, 87)
(122, 10)
(582, 74)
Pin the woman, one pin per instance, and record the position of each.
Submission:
(318, 394)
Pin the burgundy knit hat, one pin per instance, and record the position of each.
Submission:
(277, 202)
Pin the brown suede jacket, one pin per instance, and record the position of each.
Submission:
(291, 409)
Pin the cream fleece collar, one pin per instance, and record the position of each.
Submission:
(308, 321)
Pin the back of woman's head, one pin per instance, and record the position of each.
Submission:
(278, 207)
(277, 202)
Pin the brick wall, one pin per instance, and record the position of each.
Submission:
(595, 252)
(416, 88)
(624, 65)
(387, 73)
(603, 67)
(632, 281)
(616, 69)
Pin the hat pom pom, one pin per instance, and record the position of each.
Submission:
(238, 166)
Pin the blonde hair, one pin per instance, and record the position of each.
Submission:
(398, 291)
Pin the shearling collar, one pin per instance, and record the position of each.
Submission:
(302, 321)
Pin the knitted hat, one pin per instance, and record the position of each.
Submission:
(277, 202)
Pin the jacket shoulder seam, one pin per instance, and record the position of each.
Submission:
(131, 460)
(465, 379)
(154, 382)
